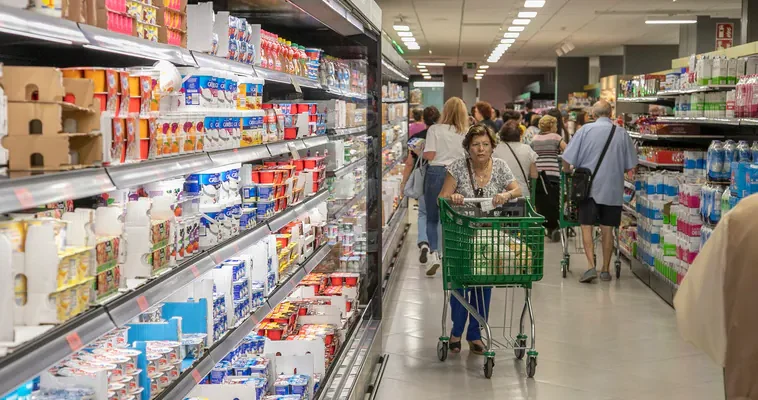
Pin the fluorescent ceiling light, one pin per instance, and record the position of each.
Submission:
(484, 66)
(427, 77)
(481, 71)
(527, 14)
(432, 64)
(411, 44)
(478, 77)
(412, 47)
(670, 21)
(521, 21)
(429, 84)
(401, 28)
(405, 34)
(516, 29)
(408, 39)
(422, 68)
(512, 35)
(534, 3)
(507, 41)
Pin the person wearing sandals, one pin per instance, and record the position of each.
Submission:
(477, 174)
(520, 157)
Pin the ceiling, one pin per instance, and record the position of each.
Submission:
(458, 31)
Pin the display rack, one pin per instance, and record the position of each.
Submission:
(343, 28)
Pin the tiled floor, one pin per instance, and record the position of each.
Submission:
(615, 341)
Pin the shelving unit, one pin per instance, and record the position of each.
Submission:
(647, 136)
(651, 164)
(348, 32)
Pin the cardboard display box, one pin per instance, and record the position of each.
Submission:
(53, 123)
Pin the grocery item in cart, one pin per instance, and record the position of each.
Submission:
(501, 254)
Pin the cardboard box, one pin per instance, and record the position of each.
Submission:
(42, 84)
(43, 153)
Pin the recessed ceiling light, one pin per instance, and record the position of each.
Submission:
(484, 66)
(477, 77)
(427, 77)
(534, 3)
(413, 47)
(408, 39)
(527, 14)
(511, 35)
(401, 28)
(670, 21)
(516, 29)
(521, 21)
(405, 34)
(481, 71)
(422, 68)
(432, 64)
(502, 41)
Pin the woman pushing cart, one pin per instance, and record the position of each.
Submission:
(489, 239)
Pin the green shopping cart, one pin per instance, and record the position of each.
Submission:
(568, 218)
(501, 248)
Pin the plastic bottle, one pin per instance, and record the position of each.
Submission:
(743, 151)
(715, 214)
(754, 151)
(725, 201)
(730, 155)
(715, 161)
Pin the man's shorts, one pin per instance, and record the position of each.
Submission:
(591, 213)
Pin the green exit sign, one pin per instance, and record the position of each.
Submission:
(470, 65)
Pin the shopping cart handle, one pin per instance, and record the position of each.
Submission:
(481, 199)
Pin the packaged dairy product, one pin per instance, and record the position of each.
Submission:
(730, 155)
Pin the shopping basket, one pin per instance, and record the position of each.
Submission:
(568, 218)
(502, 248)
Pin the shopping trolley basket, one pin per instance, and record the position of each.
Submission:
(568, 218)
(502, 248)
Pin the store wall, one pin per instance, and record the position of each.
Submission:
(500, 89)
(453, 78)
(701, 37)
(611, 65)
(643, 59)
(469, 91)
(571, 74)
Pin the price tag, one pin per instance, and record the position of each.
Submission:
(296, 85)
(24, 197)
(74, 341)
(293, 151)
(142, 303)
(196, 376)
(195, 271)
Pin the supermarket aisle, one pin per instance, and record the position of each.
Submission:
(608, 341)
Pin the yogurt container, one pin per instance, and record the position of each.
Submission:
(200, 87)
(265, 210)
(266, 192)
(248, 216)
(205, 185)
(211, 225)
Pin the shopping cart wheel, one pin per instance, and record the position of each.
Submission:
(489, 365)
(564, 266)
(618, 269)
(442, 350)
(520, 352)
(531, 366)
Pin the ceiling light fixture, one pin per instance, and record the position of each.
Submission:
(511, 35)
(507, 41)
(484, 66)
(527, 14)
(408, 39)
(427, 77)
(670, 21)
(534, 3)
(521, 21)
(516, 29)
(432, 64)
(401, 28)
(478, 77)
(405, 34)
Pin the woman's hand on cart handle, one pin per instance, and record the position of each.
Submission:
(501, 198)
(457, 198)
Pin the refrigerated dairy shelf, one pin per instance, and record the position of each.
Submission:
(651, 164)
(342, 210)
(394, 100)
(643, 99)
(346, 169)
(33, 191)
(649, 136)
(47, 349)
(702, 120)
(340, 133)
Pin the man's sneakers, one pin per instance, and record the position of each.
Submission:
(436, 262)
(424, 247)
(588, 276)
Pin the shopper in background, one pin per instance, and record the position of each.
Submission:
(498, 120)
(607, 189)
(511, 115)
(491, 179)
(533, 129)
(715, 303)
(548, 146)
(529, 112)
(418, 125)
(560, 117)
(520, 157)
(483, 115)
(416, 145)
(443, 146)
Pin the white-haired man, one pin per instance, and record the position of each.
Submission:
(607, 192)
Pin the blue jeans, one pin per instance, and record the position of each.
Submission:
(422, 236)
(435, 177)
(479, 298)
